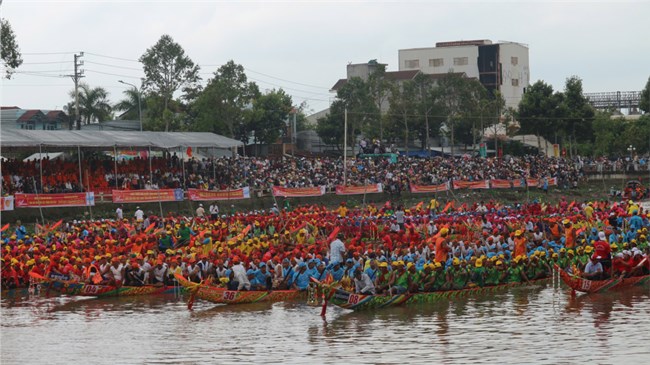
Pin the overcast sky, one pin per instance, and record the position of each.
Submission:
(304, 46)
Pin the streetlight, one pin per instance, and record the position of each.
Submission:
(139, 106)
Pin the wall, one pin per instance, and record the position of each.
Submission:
(447, 54)
(520, 71)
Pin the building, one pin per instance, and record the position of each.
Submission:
(364, 70)
(501, 66)
(13, 117)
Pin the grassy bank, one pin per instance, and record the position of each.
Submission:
(587, 191)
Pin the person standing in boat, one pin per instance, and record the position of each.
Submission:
(441, 246)
(337, 249)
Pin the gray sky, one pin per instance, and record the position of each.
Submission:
(304, 46)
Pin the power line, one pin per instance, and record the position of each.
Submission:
(112, 74)
(43, 63)
(293, 82)
(109, 65)
(45, 53)
(37, 74)
(115, 58)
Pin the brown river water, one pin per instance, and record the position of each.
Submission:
(531, 325)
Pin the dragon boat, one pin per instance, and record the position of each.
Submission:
(77, 288)
(598, 286)
(219, 295)
(357, 302)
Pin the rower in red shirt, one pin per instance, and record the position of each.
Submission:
(602, 249)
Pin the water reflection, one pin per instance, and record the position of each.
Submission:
(541, 324)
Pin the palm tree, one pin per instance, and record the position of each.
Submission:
(129, 105)
(93, 104)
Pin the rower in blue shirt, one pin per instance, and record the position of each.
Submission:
(262, 278)
(337, 271)
(301, 278)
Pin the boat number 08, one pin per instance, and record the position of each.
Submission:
(353, 299)
(90, 289)
(229, 295)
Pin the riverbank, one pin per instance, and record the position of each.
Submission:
(590, 190)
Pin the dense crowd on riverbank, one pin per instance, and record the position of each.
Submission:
(481, 244)
(99, 174)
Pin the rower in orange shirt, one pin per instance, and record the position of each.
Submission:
(520, 244)
(441, 246)
(569, 234)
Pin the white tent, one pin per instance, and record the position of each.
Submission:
(38, 156)
(109, 139)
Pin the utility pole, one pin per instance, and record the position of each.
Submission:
(78, 74)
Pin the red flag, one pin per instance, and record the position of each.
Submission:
(56, 225)
(188, 152)
(150, 227)
(333, 234)
(449, 205)
(419, 206)
(4, 227)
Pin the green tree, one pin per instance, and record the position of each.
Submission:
(637, 134)
(379, 90)
(461, 98)
(540, 111)
(608, 133)
(224, 106)
(9, 50)
(578, 113)
(158, 117)
(645, 98)
(362, 111)
(129, 105)
(167, 69)
(94, 105)
(429, 109)
(330, 128)
(270, 114)
(403, 106)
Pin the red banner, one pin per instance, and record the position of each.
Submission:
(533, 183)
(7, 203)
(517, 183)
(429, 188)
(355, 190)
(298, 192)
(199, 195)
(552, 182)
(54, 200)
(144, 196)
(472, 184)
(500, 184)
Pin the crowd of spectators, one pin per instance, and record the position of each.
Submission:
(99, 173)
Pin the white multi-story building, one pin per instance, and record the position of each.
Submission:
(501, 66)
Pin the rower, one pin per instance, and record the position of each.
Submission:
(593, 269)
(362, 283)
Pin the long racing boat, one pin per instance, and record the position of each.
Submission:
(348, 300)
(93, 290)
(221, 295)
(598, 286)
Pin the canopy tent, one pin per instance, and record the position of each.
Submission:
(94, 139)
(40, 156)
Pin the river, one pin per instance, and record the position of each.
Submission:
(539, 325)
